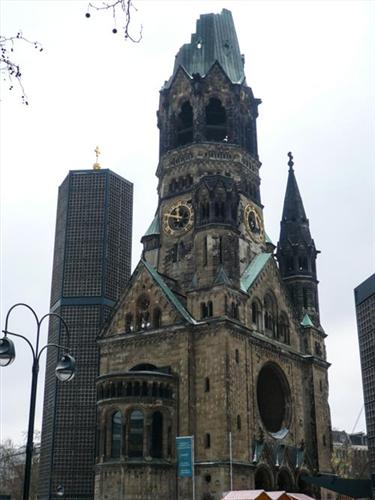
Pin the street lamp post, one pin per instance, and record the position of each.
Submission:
(64, 371)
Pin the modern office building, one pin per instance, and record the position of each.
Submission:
(92, 264)
(364, 296)
(213, 337)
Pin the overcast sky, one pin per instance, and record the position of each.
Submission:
(311, 63)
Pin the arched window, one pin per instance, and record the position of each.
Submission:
(116, 435)
(157, 435)
(283, 329)
(143, 314)
(269, 314)
(254, 310)
(209, 309)
(185, 124)
(135, 439)
(157, 318)
(216, 121)
(263, 479)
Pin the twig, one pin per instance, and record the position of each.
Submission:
(8, 67)
(126, 6)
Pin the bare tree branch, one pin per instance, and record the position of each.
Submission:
(9, 69)
(117, 5)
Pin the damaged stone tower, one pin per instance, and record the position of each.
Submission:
(213, 337)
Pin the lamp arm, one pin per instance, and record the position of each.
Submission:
(11, 309)
(22, 337)
(62, 320)
(52, 345)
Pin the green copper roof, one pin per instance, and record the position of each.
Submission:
(168, 293)
(154, 227)
(306, 322)
(253, 270)
(215, 40)
(222, 277)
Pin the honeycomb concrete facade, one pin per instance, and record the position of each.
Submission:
(91, 267)
(207, 339)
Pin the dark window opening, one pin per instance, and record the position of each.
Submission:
(157, 435)
(216, 121)
(219, 209)
(284, 481)
(206, 309)
(221, 249)
(206, 384)
(205, 251)
(324, 440)
(253, 313)
(302, 263)
(238, 422)
(135, 440)
(154, 390)
(157, 318)
(263, 480)
(169, 441)
(205, 211)
(116, 438)
(144, 389)
(207, 478)
(209, 309)
(207, 440)
(234, 311)
(137, 389)
(185, 124)
(129, 323)
(237, 355)
(144, 367)
(290, 264)
(305, 301)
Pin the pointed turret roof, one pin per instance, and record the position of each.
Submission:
(293, 206)
(294, 223)
(215, 40)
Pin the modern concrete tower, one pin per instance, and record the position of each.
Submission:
(91, 266)
(205, 340)
(364, 296)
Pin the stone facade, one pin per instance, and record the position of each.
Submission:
(206, 340)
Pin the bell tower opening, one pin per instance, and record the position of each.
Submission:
(216, 121)
(185, 125)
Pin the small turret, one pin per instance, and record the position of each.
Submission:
(296, 252)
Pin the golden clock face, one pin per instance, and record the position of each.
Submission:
(178, 218)
(253, 223)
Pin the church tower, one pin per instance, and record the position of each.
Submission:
(206, 341)
(296, 253)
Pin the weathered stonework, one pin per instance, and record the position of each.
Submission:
(206, 340)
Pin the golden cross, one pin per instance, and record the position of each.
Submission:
(96, 165)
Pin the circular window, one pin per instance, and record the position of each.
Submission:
(273, 397)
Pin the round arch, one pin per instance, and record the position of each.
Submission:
(263, 478)
(285, 480)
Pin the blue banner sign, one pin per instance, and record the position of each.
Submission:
(184, 451)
